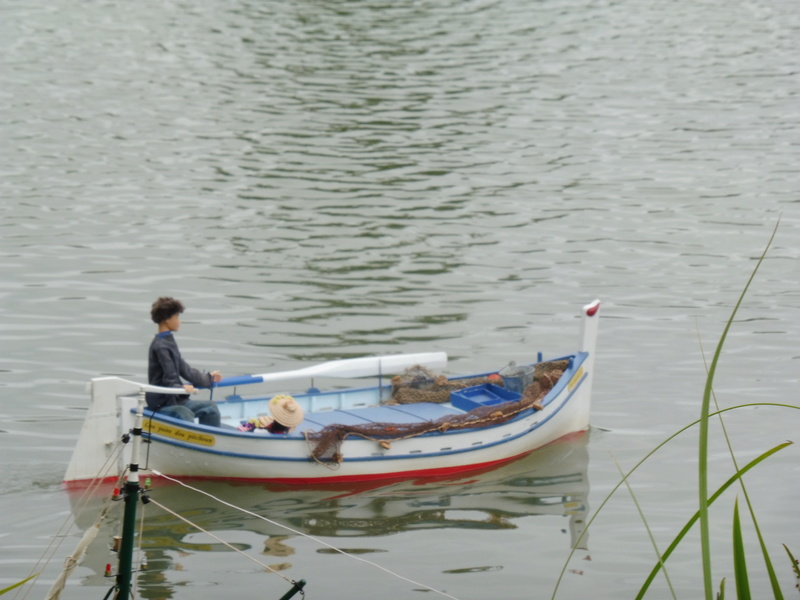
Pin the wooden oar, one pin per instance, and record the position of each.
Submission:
(367, 366)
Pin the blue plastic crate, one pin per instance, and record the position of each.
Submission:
(486, 394)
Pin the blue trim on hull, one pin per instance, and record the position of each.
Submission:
(563, 383)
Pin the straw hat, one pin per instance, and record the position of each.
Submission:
(286, 411)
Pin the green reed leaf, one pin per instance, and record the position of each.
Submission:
(16, 585)
(686, 528)
(739, 560)
(639, 464)
(702, 445)
(795, 564)
(773, 578)
(794, 561)
(647, 527)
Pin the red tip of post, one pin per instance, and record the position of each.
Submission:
(108, 569)
(591, 309)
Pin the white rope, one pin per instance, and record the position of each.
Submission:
(231, 546)
(310, 537)
(69, 522)
(72, 561)
(140, 557)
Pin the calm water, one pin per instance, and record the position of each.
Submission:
(320, 180)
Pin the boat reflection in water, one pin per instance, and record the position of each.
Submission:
(550, 481)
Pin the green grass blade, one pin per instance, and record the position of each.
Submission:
(739, 561)
(773, 578)
(649, 531)
(16, 585)
(702, 445)
(795, 564)
(640, 463)
(735, 477)
(793, 560)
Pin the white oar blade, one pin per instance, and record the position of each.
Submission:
(367, 366)
(350, 368)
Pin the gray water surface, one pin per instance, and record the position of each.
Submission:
(320, 180)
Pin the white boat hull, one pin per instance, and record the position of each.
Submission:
(182, 449)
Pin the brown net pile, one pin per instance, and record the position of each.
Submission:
(420, 384)
(327, 442)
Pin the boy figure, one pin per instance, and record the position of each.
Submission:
(165, 367)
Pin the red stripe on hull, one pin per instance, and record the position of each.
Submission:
(440, 473)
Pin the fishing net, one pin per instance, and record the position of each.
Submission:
(326, 444)
(420, 384)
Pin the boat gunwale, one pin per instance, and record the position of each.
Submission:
(576, 360)
(553, 395)
(234, 398)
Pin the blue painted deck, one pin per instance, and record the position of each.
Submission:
(401, 413)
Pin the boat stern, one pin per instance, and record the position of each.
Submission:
(106, 420)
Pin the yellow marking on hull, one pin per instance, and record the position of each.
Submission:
(575, 379)
(191, 437)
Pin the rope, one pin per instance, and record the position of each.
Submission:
(296, 532)
(325, 445)
(140, 558)
(66, 526)
(220, 540)
(471, 420)
(331, 465)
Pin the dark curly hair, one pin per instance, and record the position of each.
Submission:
(164, 308)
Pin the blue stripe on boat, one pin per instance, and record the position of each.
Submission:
(535, 425)
(432, 408)
(524, 415)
